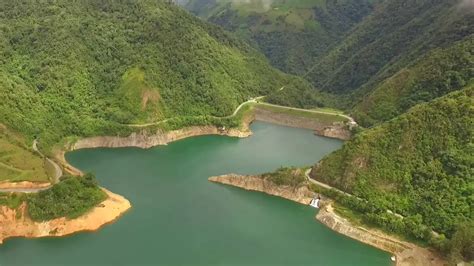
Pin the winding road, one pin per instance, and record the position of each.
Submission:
(58, 172)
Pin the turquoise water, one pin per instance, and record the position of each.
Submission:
(179, 218)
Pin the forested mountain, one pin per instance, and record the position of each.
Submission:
(293, 34)
(403, 68)
(419, 164)
(381, 57)
(393, 36)
(440, 71)
(86, 67)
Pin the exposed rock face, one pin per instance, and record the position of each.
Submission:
(336, 130)
(144, 140)
(16, 223)
(341, 225)
(300, 194)
(407, 254)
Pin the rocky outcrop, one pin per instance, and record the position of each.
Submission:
(300, 194)
(16, 223)
(406, 254)
(327, 216)
(145, 140)
(336, 130)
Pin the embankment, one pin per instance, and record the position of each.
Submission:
(406, 253)
(16, 223)
(145, 140)
(337, 130)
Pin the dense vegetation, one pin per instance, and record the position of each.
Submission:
(442, 71)
(375, 59)
(71, 198)
(86, 67)
(11, 200)
(394, 35)
(292, 34)
(286, 176)
(418, 165)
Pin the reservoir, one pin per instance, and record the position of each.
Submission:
(179, 218)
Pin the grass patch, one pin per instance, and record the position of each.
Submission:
(325, 118)
(12, 200)
(17, 162)
(71, 198)
(286, 176)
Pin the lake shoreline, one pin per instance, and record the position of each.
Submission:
(143, 139)
(406, 253)
(16, 222)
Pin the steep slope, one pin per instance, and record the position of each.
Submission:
(394, 35)
(418, 165)
(292, 34)
(373, 58)
(18, 162)
(86, 67)
(441, 71)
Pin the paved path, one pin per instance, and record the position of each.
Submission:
(326, 186)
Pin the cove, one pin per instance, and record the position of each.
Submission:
(179, 218)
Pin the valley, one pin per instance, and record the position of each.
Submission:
(373, 99)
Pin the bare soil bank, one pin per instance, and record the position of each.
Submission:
(143, 139)
(406, 253)
(24, 185)
(16, 223)
(255, 183)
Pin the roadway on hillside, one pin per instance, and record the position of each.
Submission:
(58, 172)
(326, 186)
(310, 111)
(254, 100)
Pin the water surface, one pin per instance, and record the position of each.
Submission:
(179, 218)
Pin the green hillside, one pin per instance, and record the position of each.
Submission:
(418, 165)
(83, 68)
(18, 162)
(392, 37)
(291, 33)
(375, 59)
(441, 71)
